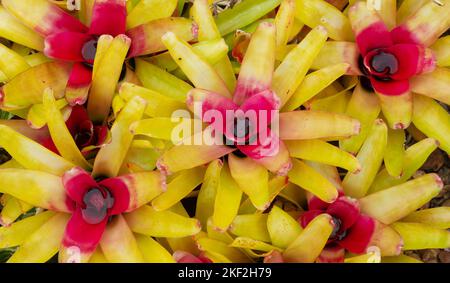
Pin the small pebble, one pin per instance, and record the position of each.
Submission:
(444, 257)
(444, 173)
(434, 162)
(429, 255)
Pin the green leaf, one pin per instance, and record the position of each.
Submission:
(6, 253)
(29, 213)
(180, 8)
(5, 115)
(243, 14)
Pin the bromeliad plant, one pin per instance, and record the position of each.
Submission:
(258, 88)
(359, 226)
(86, 213)
(80, 70)
(400, 58)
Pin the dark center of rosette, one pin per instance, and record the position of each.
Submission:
(366, 84)
(96, 202)
(241, 129)
(89, 50)
(384, 63)
(242, 132)
(337, 234)
(378, 64)
(85, 134)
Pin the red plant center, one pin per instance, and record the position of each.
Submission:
(381, 64)
(352, 230)
(96, 202)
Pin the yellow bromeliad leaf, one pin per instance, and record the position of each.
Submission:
(157, 79)
(438, 217)
(164, 128)
(148, 10)
(117, 233)
(26, 88)
(11, 28)
(179, 188)
(384, 205)
(361, 99)
(104, 81)
(158, 105)
(309, 179)
(60, 133)
(218, 247)
(320, 151)
(395, 152)
(210, 50)
(207, 194)
(229, 193)
(250, 244)
(431, 119)
(252, 178)
(372, 255)
(208, 30)
(150, 222)
(283, 229)
(36, 117)
(30, 154)
(315, 83)
(397, 109)
(370, 157)
(415, 157)
(292, 70)
(152, 251)
(43, 189)
(110, 157)
(311, 240)
(44, 242)
(434, 84)
(12, 209)
(319, 12)
(198, 70)
(252, 226)
(417, 236)
(16, 233)
(11, 63)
